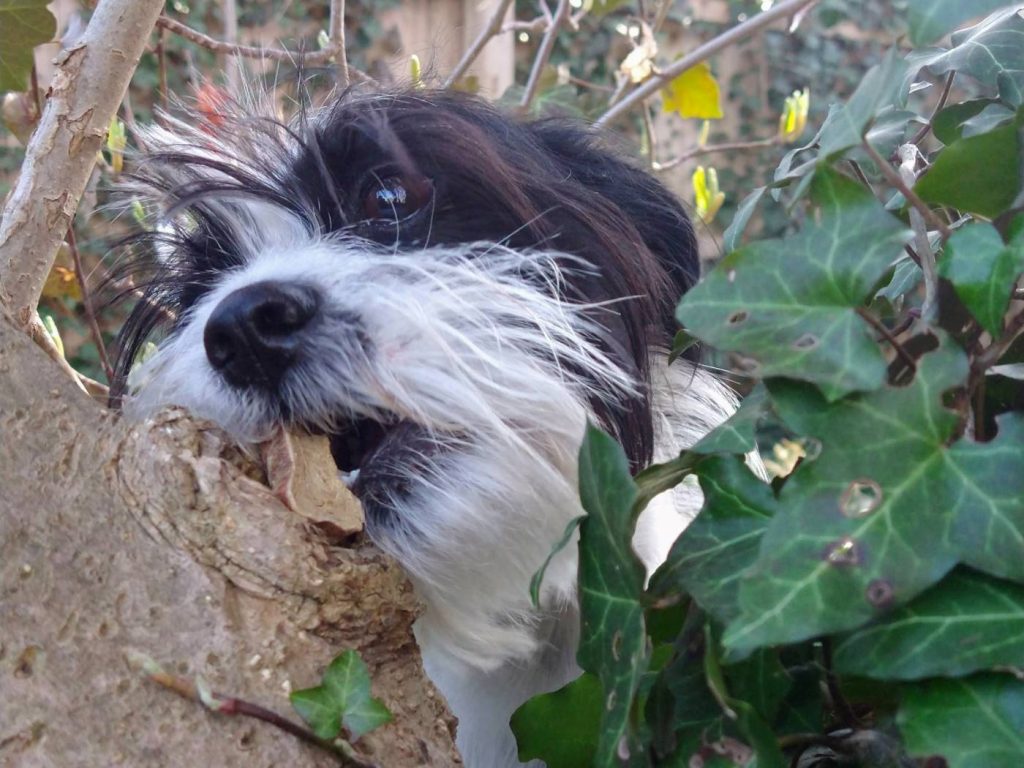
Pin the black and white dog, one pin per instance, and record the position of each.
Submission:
(450, 294)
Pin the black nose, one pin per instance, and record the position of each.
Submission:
(254, 335)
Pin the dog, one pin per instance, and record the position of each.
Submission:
(450, 293)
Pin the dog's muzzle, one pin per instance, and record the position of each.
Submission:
(256, 333)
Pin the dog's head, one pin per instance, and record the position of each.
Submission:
(448, 292)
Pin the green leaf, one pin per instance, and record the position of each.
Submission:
(883, 512)
(991, 52)
(878, 90)
(929, 20)
(613, 642)
(736, 434)
(748, 720)
(342, 698)
(977, 722)
(983, 270)
(966, 623)
(947, 125)
(760, 680)
(789, 307)
(710, 558)
(978, 174)
(680, 343)
(24, 24)
(538, 577)
(734, 232)
(561, 728)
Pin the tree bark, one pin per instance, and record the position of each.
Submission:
(161, 539)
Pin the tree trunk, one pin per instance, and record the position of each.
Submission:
(155, 539)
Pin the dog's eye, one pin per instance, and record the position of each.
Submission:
(396, 197)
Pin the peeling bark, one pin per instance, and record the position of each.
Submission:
(160, 539)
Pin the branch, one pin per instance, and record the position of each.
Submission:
(544, 53)
(87, 305)
(492, 29)
(735, 146)
(87, 89)
(308, 58)
(732, 36)
(336, 35)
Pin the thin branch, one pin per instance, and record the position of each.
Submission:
(943, 98)
(894, 178)
(997, 349)
(652, 140)
(87, 305)
(544, 53)
(843, 708)
(88, 87)
(336, 35)
(161, 68)
(228, 705)
(925, 255)
(730, 37)
(307, 58)
(491, 29)
(36, 99)
(736, 146)
(889, 336)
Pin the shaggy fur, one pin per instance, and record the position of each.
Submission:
(462, 292)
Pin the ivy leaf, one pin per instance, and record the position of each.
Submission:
(693, 93)
(879, 89)
(745, 211)
(977, 722)
(871, 523)
(803, 323)
(736, 434)
(342, 698)
(947, 125)
(983, 270)
(967, 622)
(611, 581)
(929, 20)
(979, 174)
(762, 681)
(991, 52)
(709, 560)
(561, 728)
(24, 24)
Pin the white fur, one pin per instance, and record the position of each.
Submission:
(460, 343)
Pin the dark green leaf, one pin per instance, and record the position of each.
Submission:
(736, 434)
(342, 698)
(709, 559)
(948, 124)
(931, 19)
(750, 723)
(883, 512)
(878, 90)
(978, 174)
(992, 53)
(734, 232)
(613, 642)
(24, 24)
(965, 623)
(905, 278)
(659, 478)
(561, 728)
(760, 680)
(802, 322)
(538, 577)
(977, 722)
(982, 270)
(680, 343)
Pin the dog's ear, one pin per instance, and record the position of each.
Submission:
(653, 210)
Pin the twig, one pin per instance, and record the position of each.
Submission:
(652, 142)
(35, 92)
(491, 29)
(894, 178)
(730, 37)
(926, 128)
(997, 349)
(307, 58)
(336, 35)
(889, 336)
(161, 67)
(843, 708)
(90, 83)
(87, 305)
(228, 705)
(544, 53)
(736, 146)
(229, 10)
